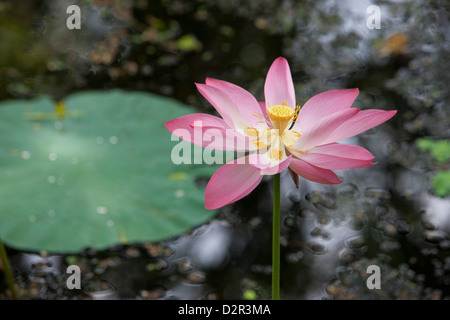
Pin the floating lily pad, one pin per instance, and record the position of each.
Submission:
(94, 174)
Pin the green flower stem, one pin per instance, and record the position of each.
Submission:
(276, 239)
(7, 270)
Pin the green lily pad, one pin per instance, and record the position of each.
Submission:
(95, 174)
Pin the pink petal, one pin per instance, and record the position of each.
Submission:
(279, 86)
(317, 134)
(245, 102)
(209, 132)
(313, 173)
(267, 167)
(327, 161)
(186, 121)
(364, 120)
(230, 183)
(263, 107)
(223, 104)
(322, 105)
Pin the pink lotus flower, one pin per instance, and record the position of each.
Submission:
(278, 134)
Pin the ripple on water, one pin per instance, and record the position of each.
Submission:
(428, 225)
(349, 191)
(347, 256)
(320, 233)
(377, 193)
(294, 196)
(316, 248)
(358, 221)
(403, 227)
(184, 266)
(435, 236)
(321, 200)
(355, 242)
(305, 214)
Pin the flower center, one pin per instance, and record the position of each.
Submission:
(273, 141)
(282, 116)
(280, 113)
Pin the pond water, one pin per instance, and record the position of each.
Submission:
(395, 215)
